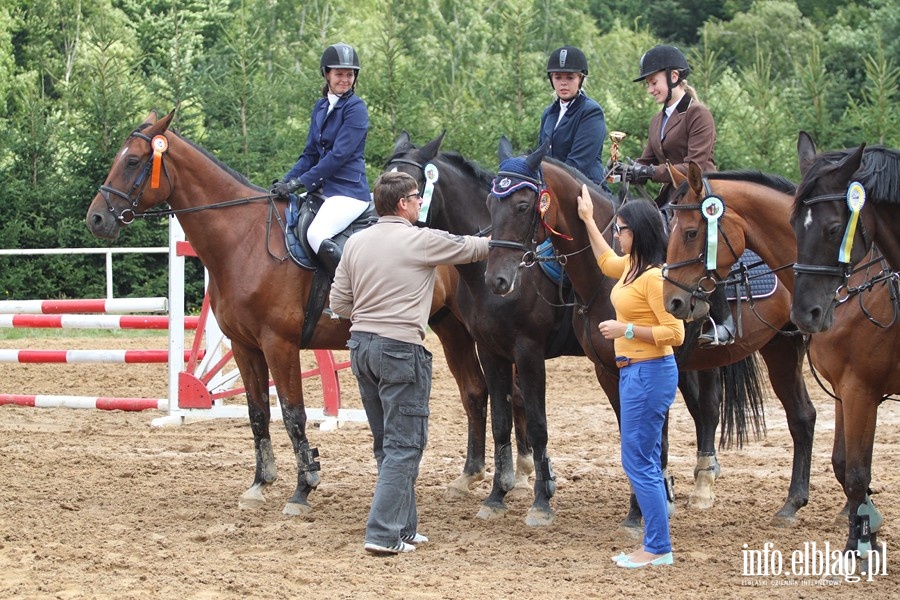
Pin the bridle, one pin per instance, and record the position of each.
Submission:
(844, 268)
(529, 256)
(155, 164)
(133, 196)
(707, 284)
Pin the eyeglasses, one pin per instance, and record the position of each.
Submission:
(414, 196)
(619, 228)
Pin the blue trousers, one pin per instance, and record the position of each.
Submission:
(395, 384)
(646, 391)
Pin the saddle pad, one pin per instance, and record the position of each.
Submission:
(762, 282)
(551, 268)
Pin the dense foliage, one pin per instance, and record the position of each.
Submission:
(77, 75)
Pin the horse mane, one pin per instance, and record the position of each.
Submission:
(474, 169)
(580, 178)
(238, 176)
(879, 173)
(769, 180)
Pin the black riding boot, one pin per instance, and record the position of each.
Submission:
(329, 255)
(719, 329)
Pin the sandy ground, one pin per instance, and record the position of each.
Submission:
(100, 504)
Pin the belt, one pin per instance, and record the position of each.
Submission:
(624, 361)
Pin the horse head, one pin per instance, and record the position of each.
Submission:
(830, 224)
(703, 245)
(139, 178)
(453, 188)
(515, 212)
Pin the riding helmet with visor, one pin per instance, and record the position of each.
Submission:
(567, 59)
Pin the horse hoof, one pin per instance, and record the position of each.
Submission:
(251, 501)
(537, 517)
(521, 490)
(632, 532)
(294, 509)
(454, 492)
(783, 521)
(700, 502)
(489, 513)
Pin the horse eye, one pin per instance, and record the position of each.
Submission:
(133, 161)
(523, 207)
(690, 235)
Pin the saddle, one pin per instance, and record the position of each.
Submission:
(301, 211)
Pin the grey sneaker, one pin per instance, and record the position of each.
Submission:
(379, 549)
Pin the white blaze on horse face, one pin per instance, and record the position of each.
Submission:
(808, 219)
(394, 170)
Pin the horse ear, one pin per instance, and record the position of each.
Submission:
(151, 118)
(163, 124)
(504, 149)
(533, 160)
(403, 142)
(695, 178)
(677, 176)
(806, 151)
(851, 164)
(431, 149)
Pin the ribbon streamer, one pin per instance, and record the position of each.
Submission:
(159, 144)
(856, 199)
(543, 206)
(431, 176)
(712, 208)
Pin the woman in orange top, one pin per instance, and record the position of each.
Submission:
(644, 334)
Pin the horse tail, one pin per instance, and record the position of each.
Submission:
(742, 403)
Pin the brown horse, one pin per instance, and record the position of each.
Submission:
(757, 216)
(258, 297)
(519, 219)
(829, 242)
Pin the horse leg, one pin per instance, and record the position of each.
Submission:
(524, 462)
(286, 371)
(533, 382)
(255, 375)
(498, 374)
(861, 412)
(702, 393)
(839, 459)
(784, 359)
(462, 360)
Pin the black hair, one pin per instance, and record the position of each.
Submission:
(648, 245)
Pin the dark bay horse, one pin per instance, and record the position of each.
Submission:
(855, 356)
(258, 297)
(832, 238)
(515, 334)
(519, 219)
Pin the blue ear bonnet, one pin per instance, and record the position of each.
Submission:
(514, 175)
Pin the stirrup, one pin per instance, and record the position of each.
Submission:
(718, 334)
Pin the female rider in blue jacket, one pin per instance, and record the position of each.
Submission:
(331, 163)
(574, 123)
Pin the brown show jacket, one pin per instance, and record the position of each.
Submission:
(690, 136)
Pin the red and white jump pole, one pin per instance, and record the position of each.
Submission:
(193, 393)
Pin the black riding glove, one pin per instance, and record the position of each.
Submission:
(282, 189)
(638, 173)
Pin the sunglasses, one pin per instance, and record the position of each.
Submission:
(414, 196)
(619, 228)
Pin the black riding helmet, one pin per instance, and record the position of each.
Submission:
(664, 58)
(567, 59)
(339, 56)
